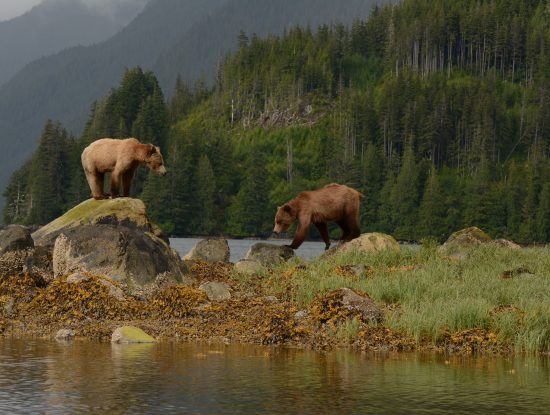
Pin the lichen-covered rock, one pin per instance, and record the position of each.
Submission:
(248, 267)
(269, 254)
(209, 250)
(370, 242)
(130, 334)
(15, 238)
(35, 262)
(118, 242)
(216, 291)
(459, 242)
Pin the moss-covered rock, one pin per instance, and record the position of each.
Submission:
(371, 242)
(123, 211)
(130, 334)
(459, 242)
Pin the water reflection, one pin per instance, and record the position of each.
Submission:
(51, 377)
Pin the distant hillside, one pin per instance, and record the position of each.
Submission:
(201, 49)
(55, 25)
(172, 37)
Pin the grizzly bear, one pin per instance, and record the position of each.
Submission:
(333, 203)
(121, 158)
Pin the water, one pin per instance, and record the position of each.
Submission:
(239, 247)
(84, 377)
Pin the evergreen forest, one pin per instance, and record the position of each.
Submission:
(437, 111)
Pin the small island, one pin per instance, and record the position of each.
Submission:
(103, 266)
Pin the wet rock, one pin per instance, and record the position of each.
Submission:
(504, 243)
(15, 238)
(209, 250)
(269, 254)
(111, 238)
(65, 334)
(130, 334)
(248, 267)
(216, 291)
(461, 241)
(271, 299)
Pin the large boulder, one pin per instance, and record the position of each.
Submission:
(269, 254)
(249, 267)
(121, 212)
(371, 242)
(459, 242)
(113, 238)
(15, 238)
(209, 250)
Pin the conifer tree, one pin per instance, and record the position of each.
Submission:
(433, 210)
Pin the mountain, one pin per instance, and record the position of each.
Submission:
(54, 25)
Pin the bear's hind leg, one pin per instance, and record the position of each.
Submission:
(345, 230)
(95, 181)
(323, 230)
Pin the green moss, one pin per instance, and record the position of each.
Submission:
(91, 211)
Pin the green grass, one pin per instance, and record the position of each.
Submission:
(428, 294)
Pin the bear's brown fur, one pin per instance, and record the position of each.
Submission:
(121, 158)
(332, 203)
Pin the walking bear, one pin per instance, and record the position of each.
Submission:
(121, 158)
(332, 203)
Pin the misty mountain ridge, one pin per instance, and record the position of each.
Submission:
(54, 25)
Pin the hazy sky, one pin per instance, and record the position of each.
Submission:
(12, 8)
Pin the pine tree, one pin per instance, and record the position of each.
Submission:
(404, 198)
(249, 213)
(205, 193)
(433, 209)
(543, 215)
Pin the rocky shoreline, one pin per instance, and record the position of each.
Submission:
(104, 266)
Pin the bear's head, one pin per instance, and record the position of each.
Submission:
(286, 215)
(154, 160)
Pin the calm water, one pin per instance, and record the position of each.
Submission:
(83, 377)
(239, 247)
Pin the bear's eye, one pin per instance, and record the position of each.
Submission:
(278, 222)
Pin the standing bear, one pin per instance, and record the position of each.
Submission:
(332, 203)
(121, 158)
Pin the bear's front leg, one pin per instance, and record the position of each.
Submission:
(300, 235)
(115, 183)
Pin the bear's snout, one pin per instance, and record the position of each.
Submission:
(162, 171)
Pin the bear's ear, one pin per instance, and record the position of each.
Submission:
(152, 149)
(287, 208)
